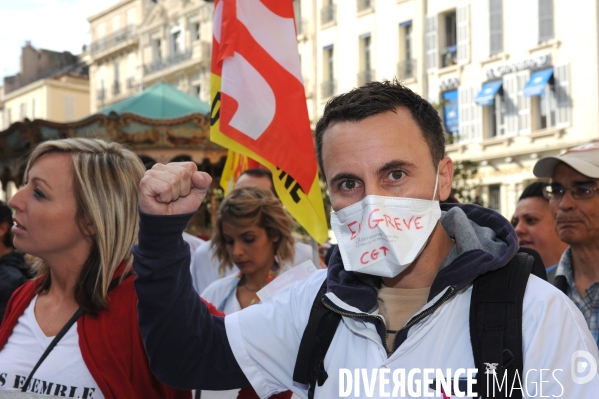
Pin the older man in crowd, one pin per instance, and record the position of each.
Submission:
(575, 207)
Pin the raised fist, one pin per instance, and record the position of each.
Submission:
(173, 189)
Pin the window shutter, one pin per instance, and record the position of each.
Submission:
(485, 27)
(545, 20)
(495, 26)
(470, 115)
(476, 127)
(561, 75)
(465, 114)
(510, 96)
(431, 42)
(523, 103)
(463, 34)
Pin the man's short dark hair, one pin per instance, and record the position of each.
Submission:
(257, 172)
(260, 173)
(534, 190)
(378, 97)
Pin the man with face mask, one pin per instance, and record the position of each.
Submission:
(401, 281)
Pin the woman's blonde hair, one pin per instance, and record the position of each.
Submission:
(253, 206)
(106, 178)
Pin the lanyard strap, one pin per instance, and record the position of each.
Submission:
(61, 334)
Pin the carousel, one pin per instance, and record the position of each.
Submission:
(161, 124)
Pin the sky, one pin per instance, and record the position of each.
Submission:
(59, 25)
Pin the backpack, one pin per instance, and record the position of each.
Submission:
(495, 326)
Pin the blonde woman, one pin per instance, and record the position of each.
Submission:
(72, 331)
(252, 231)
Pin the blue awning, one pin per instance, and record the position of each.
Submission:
(486, 96)
(537, 82)
(406, 23)
(450, 112)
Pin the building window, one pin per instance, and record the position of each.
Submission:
(131, 19)
(496, 26)
(495, 197)
(541, 86)
(363, 5)
(450, 112)
(101, 34)
(196, 32)
(496, 116)
(23, 111)
(545, 20)
(197, 91)
(491, 98)
(327, 12)
(176, 41)
(116, 24)
(156, 50)
(406, 66)
(366, 73)
(328, 82)
(69, 108)
(545, 106)
(449, 50)
(33, 109)
(116, 86)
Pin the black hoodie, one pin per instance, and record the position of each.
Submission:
(14, 272)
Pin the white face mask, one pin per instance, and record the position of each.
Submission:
(382, 236)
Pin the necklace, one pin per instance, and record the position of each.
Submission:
(274, 272)
(250, 289)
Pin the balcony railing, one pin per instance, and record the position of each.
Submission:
(365, 76)
(406, 69)
(161, 64)
(364, 5)
(112, 40)
(116, 88)
(449, 56)
(328, 88)
(327, 14)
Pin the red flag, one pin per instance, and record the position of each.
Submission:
(262, 100)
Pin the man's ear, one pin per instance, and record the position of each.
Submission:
(445, 178)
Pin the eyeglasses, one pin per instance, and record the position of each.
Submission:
(556, 193)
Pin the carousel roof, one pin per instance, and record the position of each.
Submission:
(161, 101)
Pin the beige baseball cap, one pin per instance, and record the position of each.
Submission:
(584, 159)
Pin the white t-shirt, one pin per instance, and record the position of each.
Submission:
(204, 266)
(63, 373)
(193, 241)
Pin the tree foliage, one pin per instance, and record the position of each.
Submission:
(465, 184)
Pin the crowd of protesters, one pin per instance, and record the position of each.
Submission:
(111, 307)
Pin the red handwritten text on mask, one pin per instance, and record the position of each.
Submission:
(373, 255)
(374, 219)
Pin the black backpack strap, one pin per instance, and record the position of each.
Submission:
(496, 325)
(538, 267)
(561, 283)
(319, 332)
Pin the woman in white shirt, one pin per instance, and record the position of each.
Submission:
(72, 330)
(252, 231)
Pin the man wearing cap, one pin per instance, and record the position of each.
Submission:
(574, 205)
